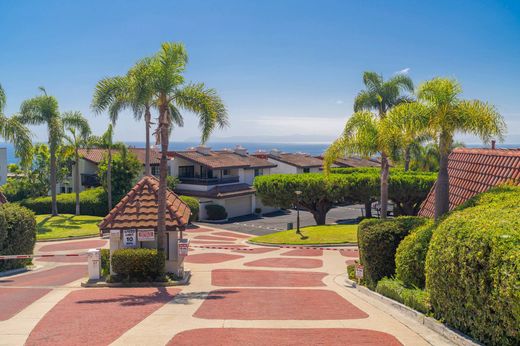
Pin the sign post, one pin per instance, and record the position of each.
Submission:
(183, 246)
(129, 238)
(359, 272)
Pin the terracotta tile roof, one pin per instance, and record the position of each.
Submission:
(355, 162)
(96, 155)
(218, 159)
(298, 160)
(223, 191)
(473, 171)
(138, 209)
(2, 198)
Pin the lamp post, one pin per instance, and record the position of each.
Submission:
(298, 193)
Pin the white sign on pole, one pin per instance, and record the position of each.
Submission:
(359, 271)
(146, 235)
(129, 237)
(183, 246)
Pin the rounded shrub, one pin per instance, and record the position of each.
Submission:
(194, 205)
(93, 202)
(17, 234)
(473, 268)
(378, 241)
(138, 264)
(410, 256)
(216, 212)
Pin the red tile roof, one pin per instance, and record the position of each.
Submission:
(298, 160)
(355, 162)
(2, 198)
(218, 159)
(473, 171)
(96, 155)
(139, 209)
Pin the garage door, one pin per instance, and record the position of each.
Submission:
(238, 206)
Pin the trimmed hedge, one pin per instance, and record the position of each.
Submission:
(216, 212)
(93, 202)
(473, 268)
(105, 262)
(138, 264)
(410, 256)
(413, 297)
(17, 234)
(378, 241)
(194, 205)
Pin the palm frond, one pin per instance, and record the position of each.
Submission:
(108, 91)
(75, 121)
(482, 119)
(365, 100)
(14, 131)
(3, 99)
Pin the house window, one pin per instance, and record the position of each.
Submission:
(62, 189)
(205, 172)
(155, 170)
(69, 190)
(186, 171)
(306, 170)
(259, 171)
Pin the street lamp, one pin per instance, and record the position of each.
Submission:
(298, 193)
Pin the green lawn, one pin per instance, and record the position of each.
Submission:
(327, 234)
(65, 226)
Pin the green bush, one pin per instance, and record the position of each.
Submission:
(216, 212)
(125, 172)
(194, 205)
(378, 241)
(17, 234)
(413, 297)
(105, 262)
(411, 256)
(473, 268)
(93, 202)
(138, 264)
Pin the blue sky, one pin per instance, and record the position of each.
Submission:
(282, 67)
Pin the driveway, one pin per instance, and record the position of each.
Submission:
(239, 294)
(274, 222)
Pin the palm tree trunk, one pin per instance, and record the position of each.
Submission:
(163, 172)
(147, 119)
(368, 208)
(54, 203)
(76, 180)
(385, 168)
(442, 186)
(407, 159)
(109, 179)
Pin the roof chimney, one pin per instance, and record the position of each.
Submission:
(240, 150)
(202, 149)
(493, 144)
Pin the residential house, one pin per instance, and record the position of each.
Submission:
(473, 171)
(223, 177)
(3, 166)
(89, 162)
(291, 163)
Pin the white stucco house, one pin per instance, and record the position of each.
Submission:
(223, 177)
(291, 163)
(3, 166)
(88, 167)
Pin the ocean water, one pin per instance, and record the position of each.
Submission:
(309, 148)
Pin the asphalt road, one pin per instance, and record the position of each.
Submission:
(274, 222)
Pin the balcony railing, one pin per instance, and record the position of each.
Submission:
(210, 181)
(90, 180)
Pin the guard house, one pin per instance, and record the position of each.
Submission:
(133, 222)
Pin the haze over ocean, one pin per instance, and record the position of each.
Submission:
(309, 148)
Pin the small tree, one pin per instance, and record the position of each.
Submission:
(125, 169)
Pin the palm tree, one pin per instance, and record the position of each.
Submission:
(171, 94)
(408, 125)
(380, 95)
(43, 110)
(448, 114)
(12, 130)
(106, 141)
(77, 137)
(135, 91)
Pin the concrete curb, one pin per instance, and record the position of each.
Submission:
(317, 246)
(68, 238)
(98, 284)
(454, 336)
(13, 271)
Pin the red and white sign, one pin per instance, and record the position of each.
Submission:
(146, 235)
(183, 246)
(359, 271)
